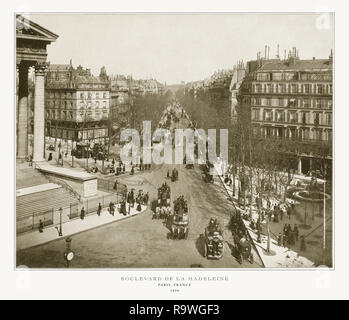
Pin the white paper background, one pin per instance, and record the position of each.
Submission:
(106, 284)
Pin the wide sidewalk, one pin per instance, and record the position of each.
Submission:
(280, 257)
(91, 221)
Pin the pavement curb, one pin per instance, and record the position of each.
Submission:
(89, 229)
(249, 232)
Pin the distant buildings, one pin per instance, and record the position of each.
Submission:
(83, 107)
(239, 73)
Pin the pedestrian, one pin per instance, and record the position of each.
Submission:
(289, 213)
(82, 213)
(111, 208)
(296, 232)
(303, 246)
(259, 239)
(285, 230)
(132, 170)
(146, 198)
(284, 240)
(291, 240)
(41, 227)
(115, 185)
(123, 168)
(280, 240)
(281, 214)
(99, 210)
(49, 157)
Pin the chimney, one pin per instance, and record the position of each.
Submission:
(331, 57)
(268, 52)
(278, 52)
(265, 52)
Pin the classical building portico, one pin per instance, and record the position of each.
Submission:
(31, 43)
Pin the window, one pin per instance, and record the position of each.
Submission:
(292, 117)
(97, 95)
(277, 76)
(329, 135)
(268, 131)
(318, 103)
(258, 101)
(316, 118)
(292, 102)
(81, 95)
(329, 104)
(104, 95)
(319, 89)
(293, 88)
(268, 116)
(329, 119)
(306, 88)
(104, 104)
(306, 103)
(280, 116)
(255, 115)
(317, 134)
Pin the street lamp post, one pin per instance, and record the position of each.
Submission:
(60, 222)
(324, 230)
(88, 146)
(59, 151)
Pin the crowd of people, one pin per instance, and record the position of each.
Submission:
(289, 236)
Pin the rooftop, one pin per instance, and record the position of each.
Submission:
(314, 64)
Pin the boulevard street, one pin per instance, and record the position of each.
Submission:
(143, 242)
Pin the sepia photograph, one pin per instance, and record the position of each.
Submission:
(174, 141)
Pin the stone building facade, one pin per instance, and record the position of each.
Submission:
(291, 100)
(77, 104)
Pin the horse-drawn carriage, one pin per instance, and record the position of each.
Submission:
(206, 168)
(190, 164)
(243, 249)
(180, 222)
(214, 241)
(174, 176)
(242, 244)
(163, 206)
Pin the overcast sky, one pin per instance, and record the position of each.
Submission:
(185, 47)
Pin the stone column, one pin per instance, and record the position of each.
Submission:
(39, 112)
(22, 135)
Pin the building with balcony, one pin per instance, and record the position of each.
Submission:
(291, 100)
(77, 103)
